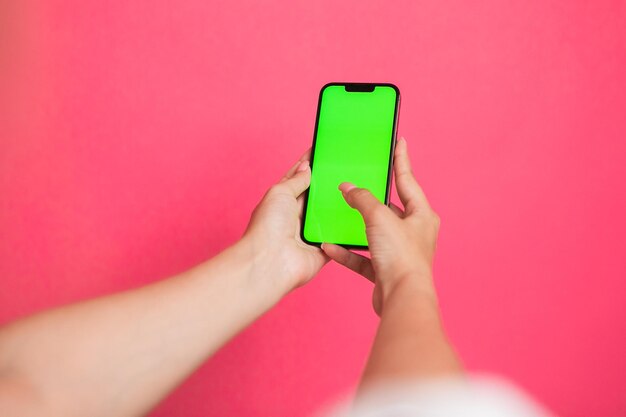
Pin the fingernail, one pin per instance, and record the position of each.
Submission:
(402, 139)
(345, 187)
(303, 166)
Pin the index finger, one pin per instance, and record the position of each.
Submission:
(362, 200)
(409, 191)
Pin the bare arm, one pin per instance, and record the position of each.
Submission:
(410, 342)
(124, 352)
(119, 355)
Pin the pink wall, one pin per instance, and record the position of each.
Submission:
(140, 137)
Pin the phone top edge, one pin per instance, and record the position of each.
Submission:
(343, 84)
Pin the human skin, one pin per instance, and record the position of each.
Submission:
(119, 355)
(410, 342)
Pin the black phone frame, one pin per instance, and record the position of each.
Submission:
(355, 87)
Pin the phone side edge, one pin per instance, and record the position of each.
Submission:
(305, 199)
(394, 135)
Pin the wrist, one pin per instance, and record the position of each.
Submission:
(265, 272)
(415, 288)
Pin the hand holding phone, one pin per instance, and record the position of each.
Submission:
(402, 241)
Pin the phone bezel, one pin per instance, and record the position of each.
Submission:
(396, 116)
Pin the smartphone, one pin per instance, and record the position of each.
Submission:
(354, 141)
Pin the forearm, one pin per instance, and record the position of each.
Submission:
(410, 342)
(119, 355)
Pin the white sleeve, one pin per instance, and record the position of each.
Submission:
(460, 397)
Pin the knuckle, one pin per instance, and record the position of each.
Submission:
(405, 173)
(276, 189)
(360, 193)
(379, 210)
(343, 258)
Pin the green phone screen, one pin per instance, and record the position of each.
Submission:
(353, 143)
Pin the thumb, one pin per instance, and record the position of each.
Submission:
(299, 181)
(362, 200)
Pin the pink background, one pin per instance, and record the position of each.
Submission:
(136, 139)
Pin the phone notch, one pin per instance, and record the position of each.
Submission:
(360, 87)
